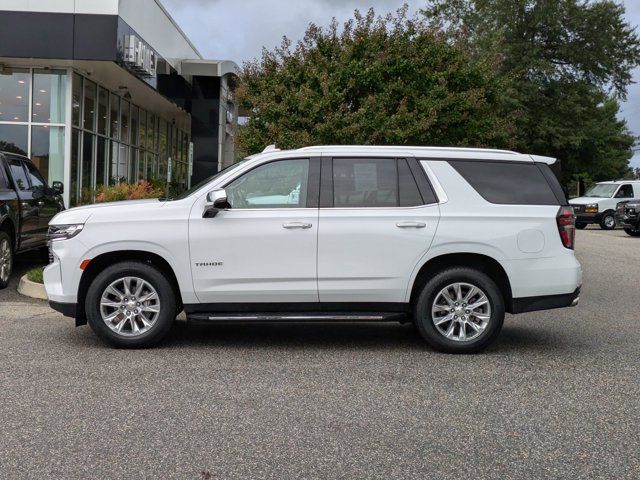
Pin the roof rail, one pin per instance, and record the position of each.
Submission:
(408, 147)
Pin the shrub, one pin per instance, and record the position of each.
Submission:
(35, 275)
(125, 191)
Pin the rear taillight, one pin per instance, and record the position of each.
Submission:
(566, 220)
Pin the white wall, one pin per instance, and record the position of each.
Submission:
(105, 7)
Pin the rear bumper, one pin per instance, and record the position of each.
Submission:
(545, 302)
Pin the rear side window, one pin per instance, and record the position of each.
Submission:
(18, 174)
(507, 183)
(365, 182)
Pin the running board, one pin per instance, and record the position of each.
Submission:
(295, 317)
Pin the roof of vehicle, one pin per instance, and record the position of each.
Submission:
(617, 182)
(15, 155)
(421, 152)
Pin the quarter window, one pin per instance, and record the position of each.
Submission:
(281, 184)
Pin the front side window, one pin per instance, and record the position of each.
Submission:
(626, 191)
(37, 182)
(281, 184)
(364, 182)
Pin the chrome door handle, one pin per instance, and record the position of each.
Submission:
(411, 225)
(291, 225)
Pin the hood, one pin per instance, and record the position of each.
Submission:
(82, 214)
(586, 200)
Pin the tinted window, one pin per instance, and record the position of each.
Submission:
(281, 184)
(552, 179)
(365, 182)
(409, 192)
(626, 191)
(19, 175)
(34, 175)
(507, 183)
(3, 181)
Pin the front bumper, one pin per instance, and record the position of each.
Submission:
(588, 217)
(627, 221)
(66, 309)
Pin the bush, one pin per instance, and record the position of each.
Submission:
(125, 191)
(35, 275)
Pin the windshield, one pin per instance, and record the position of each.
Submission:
(201, 184)
(602, 190)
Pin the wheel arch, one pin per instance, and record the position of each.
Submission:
(7, 226)
(99, 263)
(484, 263)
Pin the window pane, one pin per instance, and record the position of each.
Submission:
(123, 160)
(14, 96)
(101, 160)
(47, 152)
(87, 164)
(75, 162)
(13, 138)
(19, 175)
(365, 183)
(141, 165)
(507, 183)
(113, 168)
(134, 125)
(49, 95)
(409, 192)
(76, 99)
(4, 183)
(626, 191)
(163, 150)
(37, 182)
(133, 166)
(124, 121)
(103, 111)
(143, 129)
(89, 108)
(115, 116)
(280, 184)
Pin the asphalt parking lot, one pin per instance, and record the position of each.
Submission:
(556, 397)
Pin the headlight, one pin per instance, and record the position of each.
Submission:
(591, 208)
(64, 232)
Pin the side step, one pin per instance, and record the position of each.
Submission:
(222, 317)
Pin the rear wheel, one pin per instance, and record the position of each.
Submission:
(460, 310)
(634, 232)
(131, 305)
(608, 221)
(6, 259)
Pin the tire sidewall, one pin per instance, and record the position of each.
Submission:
(606, 214)
(5, 236)
(423, 315)
(131, 269)
(634, 232)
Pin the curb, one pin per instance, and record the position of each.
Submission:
(32, 289)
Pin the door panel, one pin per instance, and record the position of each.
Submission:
(30, 234)
(47, 203)
(368, 255)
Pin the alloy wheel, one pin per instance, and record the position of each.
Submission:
(461, 312)
(5, 260)
(610, 221)
(130, 306)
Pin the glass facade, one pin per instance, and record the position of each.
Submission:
(32, 117)
(115, 141)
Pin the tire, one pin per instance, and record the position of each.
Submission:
(608, 220)
(634, 232)
(581, 226)
(6, 259)
(115, 320)
(428, 311)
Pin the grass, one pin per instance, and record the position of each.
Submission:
(35, 275)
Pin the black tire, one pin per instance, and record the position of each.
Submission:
(608, 220)
(581, 226)
(162, 323)
(634, 232)
(6, 259)
(424, 318)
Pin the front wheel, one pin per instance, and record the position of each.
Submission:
(6, 259)
(608, 221)
(131, 305)
(460, 310)
(634, 232)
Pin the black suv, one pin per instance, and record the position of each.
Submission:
(27, 204)
(628, 216)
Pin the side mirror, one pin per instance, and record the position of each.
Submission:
(58, 188)
(216, 201)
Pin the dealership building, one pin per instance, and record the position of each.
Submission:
(109, 91)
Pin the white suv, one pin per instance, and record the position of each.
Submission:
(598, 204)
(450, 239)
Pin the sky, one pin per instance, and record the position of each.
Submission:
(237, 30)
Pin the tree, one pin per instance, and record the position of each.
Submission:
(391, 80)
(569, 62)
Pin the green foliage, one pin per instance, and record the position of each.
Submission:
(35, 275)
(386, 81)
(568, 61)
